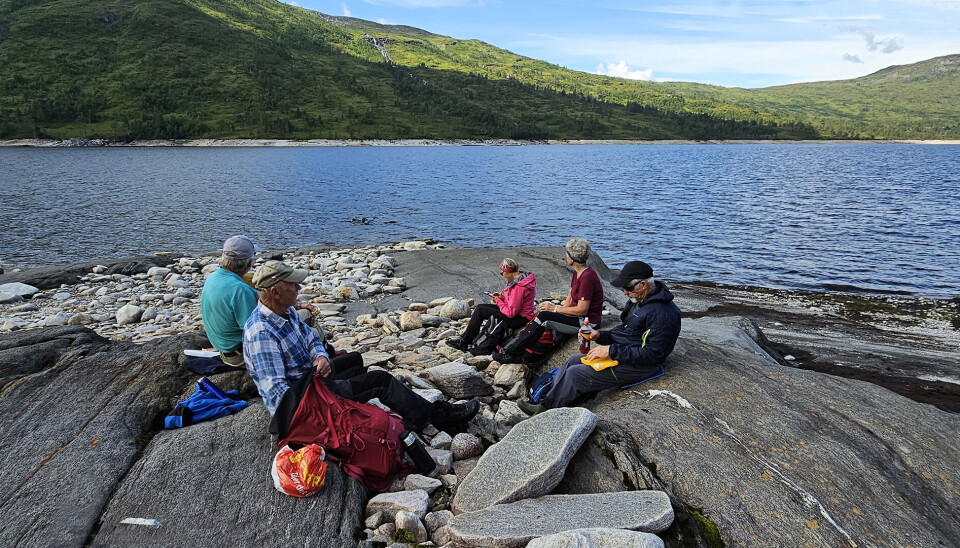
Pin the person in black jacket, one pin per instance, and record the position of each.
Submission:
(650, 325)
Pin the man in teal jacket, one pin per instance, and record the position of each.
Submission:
(227, 301)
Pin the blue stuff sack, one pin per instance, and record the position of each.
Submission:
(542, 385)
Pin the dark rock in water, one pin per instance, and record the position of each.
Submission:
(78, 411)
(51, 277)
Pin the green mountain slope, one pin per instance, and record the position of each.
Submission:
(262, 68)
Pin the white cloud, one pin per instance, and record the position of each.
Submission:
(742, 63)
(621, 70)
(346, 10)
(852, 58)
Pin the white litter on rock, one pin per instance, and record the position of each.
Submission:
(682, 402)
(142, 521)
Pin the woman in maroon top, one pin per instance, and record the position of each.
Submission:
(585, 299)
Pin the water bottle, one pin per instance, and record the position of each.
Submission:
(207, 385)
(585, 337)
(418, 453)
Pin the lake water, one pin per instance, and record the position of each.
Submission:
(811, 216)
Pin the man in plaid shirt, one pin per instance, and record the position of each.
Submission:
(279, 349)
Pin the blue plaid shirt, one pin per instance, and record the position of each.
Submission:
(277, 350)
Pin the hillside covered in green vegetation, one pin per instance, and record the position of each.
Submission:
(122, 69)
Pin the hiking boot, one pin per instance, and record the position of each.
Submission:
(530, 408)
(457, 342)
(503, 358)
(446, 415)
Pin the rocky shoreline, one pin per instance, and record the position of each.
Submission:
(73, 143)
(746, 446)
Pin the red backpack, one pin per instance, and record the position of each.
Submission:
(363, 438)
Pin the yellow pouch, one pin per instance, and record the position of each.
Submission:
(599, 365)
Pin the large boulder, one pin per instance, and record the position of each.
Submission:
(52, 277)
(528, 462)
(598, 538)
(79, 454)
(514, 525)
(457, 380)
(770, 455)
(229, 457)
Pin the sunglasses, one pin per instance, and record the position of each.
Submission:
(631, 287)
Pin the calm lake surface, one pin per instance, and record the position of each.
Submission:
(811, 216)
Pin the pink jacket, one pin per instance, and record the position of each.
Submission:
(518, 298)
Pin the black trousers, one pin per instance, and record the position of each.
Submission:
(484, 311)
(348, 378)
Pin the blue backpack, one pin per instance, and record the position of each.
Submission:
(542, 385)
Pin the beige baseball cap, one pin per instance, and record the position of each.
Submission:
(272, 272)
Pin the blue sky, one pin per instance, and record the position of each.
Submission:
(752, 43)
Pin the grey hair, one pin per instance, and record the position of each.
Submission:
(237, 266)
(510, 263)
(579, 250)
(636, 281)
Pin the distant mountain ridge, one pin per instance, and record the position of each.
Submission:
(121, 69)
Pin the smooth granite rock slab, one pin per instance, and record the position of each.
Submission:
(514, 525)
(528, 462)
(598, 538)
(458, 380)
(209, 485)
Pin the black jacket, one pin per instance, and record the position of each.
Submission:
(648, 330)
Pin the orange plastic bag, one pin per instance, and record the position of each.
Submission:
(299, 473)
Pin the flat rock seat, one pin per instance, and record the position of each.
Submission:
(517, 523)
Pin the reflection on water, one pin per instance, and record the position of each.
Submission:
(877, 217)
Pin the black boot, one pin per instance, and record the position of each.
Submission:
(457, 342)
(446, 416)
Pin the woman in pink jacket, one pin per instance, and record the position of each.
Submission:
(515, 305)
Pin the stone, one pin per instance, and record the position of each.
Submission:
(10, 298)
(389, 326)
(441, 537)
(374, 520)
(149, 314)
(528, 462)
(27, 307)
(81, 318)
(436, 520)
(516, 524)
(439, 302)
(128, 314)
(415, 502)
(54, 320)
(418, 307)
(410, 320)
(376, 358)
(462, 468)
(411, 522)
(509, 374)
(417, 481)
(597, 538)
(346, 293)
(455, 310)
(441, 441)
(158, 272)
(465, 446)
(62, 295)
(458, 380)
(429, 320)
(509, 414)
(432, 395)
(19, 289)
(414, 246)
(443, 458)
